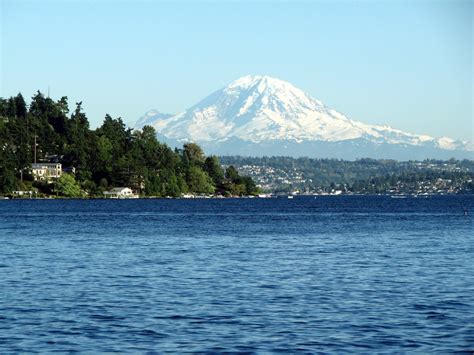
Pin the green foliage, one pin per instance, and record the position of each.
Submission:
(67, 186)
(110, 156)
(238, 185)
(232, 174)
(7, 180)
(214, 169)
(198, 181)
(193, 154)
(250, 186)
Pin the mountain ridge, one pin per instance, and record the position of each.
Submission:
(264, 110)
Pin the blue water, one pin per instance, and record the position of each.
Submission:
(331, 274)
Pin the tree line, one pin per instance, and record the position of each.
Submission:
(110, 156)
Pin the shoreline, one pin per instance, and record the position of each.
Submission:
(289, 196)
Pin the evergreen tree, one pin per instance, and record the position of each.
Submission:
(81, 144)
(20, 106)
(193, 153)
(232, 174)
(214, 169)
(198, 181)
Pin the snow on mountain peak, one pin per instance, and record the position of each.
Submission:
(268, 88)
(151, 117)
(257, 108)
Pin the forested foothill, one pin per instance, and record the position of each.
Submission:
(96, 160)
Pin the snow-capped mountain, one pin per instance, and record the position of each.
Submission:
(151, 116)
(260, 115)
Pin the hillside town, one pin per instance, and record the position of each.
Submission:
(417, 177)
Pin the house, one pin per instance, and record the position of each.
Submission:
(46, 171)
(22, 193)
(120, 192)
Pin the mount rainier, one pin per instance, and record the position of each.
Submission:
(260, 115)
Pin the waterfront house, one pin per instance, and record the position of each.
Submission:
(22, 193)
(46, 171)
(120, 192)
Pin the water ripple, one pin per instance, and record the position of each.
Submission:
(337, 275)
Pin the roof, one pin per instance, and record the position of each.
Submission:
(42, 165)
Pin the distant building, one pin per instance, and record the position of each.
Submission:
(46, 171)
(120, 192)
(22, 193)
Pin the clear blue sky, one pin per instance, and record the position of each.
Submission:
(403, 63)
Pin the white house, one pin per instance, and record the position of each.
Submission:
(46, 171)
(22, 193)
(120, 192)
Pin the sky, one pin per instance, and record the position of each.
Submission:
(407, 64)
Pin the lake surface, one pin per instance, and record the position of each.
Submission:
(327, 274)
